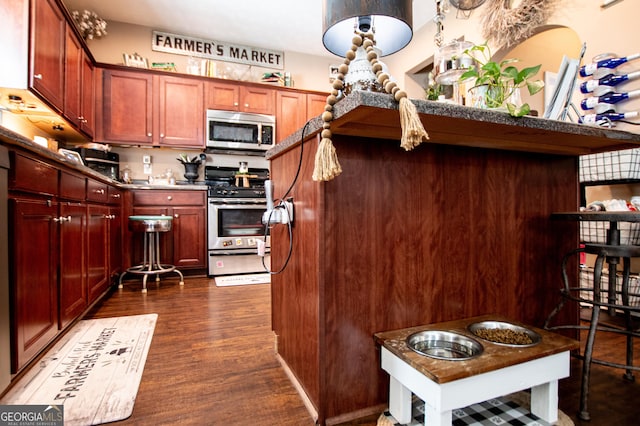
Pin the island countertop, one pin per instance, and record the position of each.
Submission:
(375, 115)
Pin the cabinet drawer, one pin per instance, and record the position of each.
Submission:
(168, 198)
(114, 195)
(96, 191)
(72, 187)
(31, 175)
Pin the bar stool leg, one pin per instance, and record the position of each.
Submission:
(588, 350)
(158, 265)
(628, 320)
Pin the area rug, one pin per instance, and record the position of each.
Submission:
(94, 371)
(246, 279)
(507, 410)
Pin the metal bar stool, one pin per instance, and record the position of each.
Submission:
(151, 226)
(592, 296)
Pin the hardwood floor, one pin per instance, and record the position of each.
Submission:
(212, 362)
(212, 358)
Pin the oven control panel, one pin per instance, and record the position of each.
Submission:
(240, 242)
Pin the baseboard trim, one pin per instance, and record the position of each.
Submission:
(296, 384)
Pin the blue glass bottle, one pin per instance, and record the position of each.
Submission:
(611, 63)
(609, 80)
(609, 98)
(607, 116)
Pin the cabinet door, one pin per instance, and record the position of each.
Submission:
(222, 96)
(72, 77)
(127, 107)
(189, 237)
(182, 117)
(88, 97)
(33, 277)
(73, 288)
(97, 243)
(315, 105)
(48, 37)
(115, 241)
(291, 113)
(257, 100)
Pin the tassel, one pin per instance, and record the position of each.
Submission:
(413, 132)
(326, 165)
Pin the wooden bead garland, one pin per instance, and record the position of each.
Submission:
(326, 165)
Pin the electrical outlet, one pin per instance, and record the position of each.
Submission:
(287, 217)
(146, 159)
(147, 169)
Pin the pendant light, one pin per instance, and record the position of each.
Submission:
(390, 20)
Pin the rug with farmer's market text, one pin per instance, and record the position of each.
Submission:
(94, 371)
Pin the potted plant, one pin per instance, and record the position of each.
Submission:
(501, 81)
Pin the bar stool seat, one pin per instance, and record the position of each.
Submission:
(151, 226)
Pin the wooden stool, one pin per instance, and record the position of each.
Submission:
(151, 226)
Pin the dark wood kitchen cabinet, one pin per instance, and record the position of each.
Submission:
(294, 108)
(61, 230)
(33, 276)
(143, 108)
(72, 223)
(47, 35)
(185, 246)
(238, 96)
(79, 96)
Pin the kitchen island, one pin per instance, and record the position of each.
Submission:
(458, 227)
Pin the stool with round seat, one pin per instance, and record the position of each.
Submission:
(151, 226)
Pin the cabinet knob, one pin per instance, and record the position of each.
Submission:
(149, 134)
(116, 196)
(37, 76)
(99, 191)
(169, 197)
(62, 219)
(235, 104)
(161, 135)
(246, 105)
(176, 215)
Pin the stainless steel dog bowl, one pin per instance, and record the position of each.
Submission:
(504, 333)
(444, 345)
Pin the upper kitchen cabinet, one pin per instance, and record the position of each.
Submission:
(141, 108)
(294, 108)
(79, 96)
(240, 97)
(47, 34)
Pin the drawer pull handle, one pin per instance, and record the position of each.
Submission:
(37, 76)
(115, 195)
(99, 191)
(62, 219)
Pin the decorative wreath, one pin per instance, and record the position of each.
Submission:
(506, 25)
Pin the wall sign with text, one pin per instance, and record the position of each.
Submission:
(204, 48)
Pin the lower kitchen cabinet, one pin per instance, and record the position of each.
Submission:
(185, 246)
(33, 236)
(98, 243)
(64, 236)
(73, 246)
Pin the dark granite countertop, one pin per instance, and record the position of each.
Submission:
(376, 115)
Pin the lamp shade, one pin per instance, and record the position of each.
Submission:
(391, 20)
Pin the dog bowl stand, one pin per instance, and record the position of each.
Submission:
(446, 385)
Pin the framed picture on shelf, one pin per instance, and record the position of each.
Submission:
(135, 61)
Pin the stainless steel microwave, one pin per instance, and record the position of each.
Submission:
(240, 130)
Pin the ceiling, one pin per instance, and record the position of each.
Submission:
(285, 25)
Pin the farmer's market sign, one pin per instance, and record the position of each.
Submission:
(210, 49)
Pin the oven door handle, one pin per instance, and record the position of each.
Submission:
(236, 252)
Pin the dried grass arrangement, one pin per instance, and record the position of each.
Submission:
(505, 25)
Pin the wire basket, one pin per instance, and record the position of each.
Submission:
(613, 165)
(596, 232)
(586, 283)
